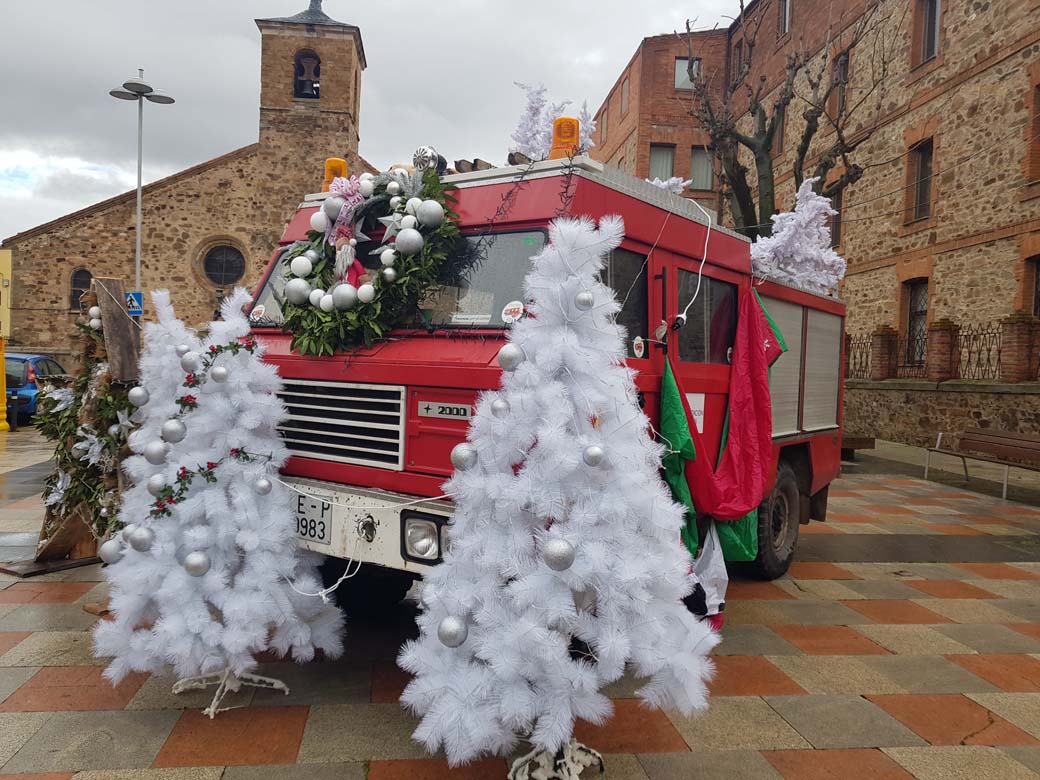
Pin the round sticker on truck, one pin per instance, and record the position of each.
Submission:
(513, 311)
(638, 346)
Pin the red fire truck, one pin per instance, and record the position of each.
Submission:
(373, 429)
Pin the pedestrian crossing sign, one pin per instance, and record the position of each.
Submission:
(134, 304)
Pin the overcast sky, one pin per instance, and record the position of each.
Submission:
(438, 72)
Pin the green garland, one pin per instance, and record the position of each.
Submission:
(317, 332)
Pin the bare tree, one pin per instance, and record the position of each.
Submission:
(838, 119)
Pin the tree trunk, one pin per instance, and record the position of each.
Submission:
(766, 191)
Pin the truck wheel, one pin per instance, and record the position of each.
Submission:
(372, 591)
(778, 518)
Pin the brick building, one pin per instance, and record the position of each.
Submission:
(214, 225)
(942, 232)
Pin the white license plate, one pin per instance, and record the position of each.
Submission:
(313, 520)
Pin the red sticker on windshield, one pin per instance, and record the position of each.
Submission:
(513, 311)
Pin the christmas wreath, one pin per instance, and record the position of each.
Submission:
(332, 302)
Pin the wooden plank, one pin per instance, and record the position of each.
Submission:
(72, 534)
(119, 329)
(857, 442)
(1000, 434)
(32, 568)
(984, 459)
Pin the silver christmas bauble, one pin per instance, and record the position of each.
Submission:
(156, 484)
(558, 554)
(593, 455)
(584, 300)
(111, 551)
(218, 374)
(138, 396)
(319, 221)
(182, 350)
(389, 275)
(142, 539)
(452, 631)
(332, 206)
(263, 486)
(95, 324)
(425, 157)
(312, 255)
(395, 201)
(173, 431)
(104, 511)
(344, 296)
(409, 241)
(114, 430)
(155, 452)
(464, 456)
(510, 356)
(366, 176)
(366, 293)
(297, 291)
(190, 362)
(430, 213)
(316, 295)
(409, 222)
(94, 312)
(327, 302)
(128, 529)
(393, 188)
(500, 407)
(387, 257)
(301, 266)
(366, 187)
(411, 205)
(196, 563)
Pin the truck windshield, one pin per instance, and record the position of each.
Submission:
(482, 283)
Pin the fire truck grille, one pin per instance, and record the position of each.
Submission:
(345, 422)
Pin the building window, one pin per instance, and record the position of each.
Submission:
(920, 185)
(836, 204)
(929, 10)
(1035, 263)
(780, 126)
(682, 72)
(783, 22)
(1033, 147)
(916, 321)
(702, 168)
(603, 126)
(307, 75)
(224, 265)
(841, 83)
(738, 59)
(624, 97)
(662, 162)
(79, 283)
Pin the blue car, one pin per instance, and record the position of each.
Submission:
(23, 375)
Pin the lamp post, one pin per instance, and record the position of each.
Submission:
(136, 88)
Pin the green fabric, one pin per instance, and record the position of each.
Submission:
(675, 432)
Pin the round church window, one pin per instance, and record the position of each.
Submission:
(224, 265)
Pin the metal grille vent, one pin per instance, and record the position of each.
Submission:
(345, 422)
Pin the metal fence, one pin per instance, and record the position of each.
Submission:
(910, 353)
(976, 351)
(859, 357)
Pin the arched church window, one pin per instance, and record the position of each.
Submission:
(307, 75)
(224, 265)
(79, 283)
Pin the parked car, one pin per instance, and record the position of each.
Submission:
(23, 372)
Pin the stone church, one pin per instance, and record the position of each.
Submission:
(212, 226)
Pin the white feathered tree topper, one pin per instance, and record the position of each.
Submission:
(533, 134)
(799, 251)
(540, 642)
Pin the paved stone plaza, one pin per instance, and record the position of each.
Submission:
(905, 643)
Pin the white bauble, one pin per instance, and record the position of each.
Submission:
(500, 407)
(452, 631)
(393, 188)
(387, 257)
(297, 291)
(584, 300)
(142, 539)
(327, 302)
(138, 396)
(190, 362)
(389, 275)
(366, 187)
(114, 430)
(182, 350)
(95, 324)
(173, 431)
(332, 206)
(128, 529)
(366, 176)
(430, 213)
(558, 554)
(156, 484)
(510, 356)
(412, 205)
(312, 255)
(319, 221)
(316, 295)
(344, 296)
(111, 551)
(263, 486)
(94, 312)
(301, 266)
(395, 201)
(409, 241)
(196, 563)
(218, 374)
(593, 455)
(401, 173)
(155, 452)
(464, 456)
(366, 293)
(408, 221)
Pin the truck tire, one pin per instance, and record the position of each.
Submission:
(778, 520)
(373, 591)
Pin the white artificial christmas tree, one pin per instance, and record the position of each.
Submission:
(533, 133)
(800, 251)
(565, 560)
(203, 574)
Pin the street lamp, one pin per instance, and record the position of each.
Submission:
(136, 88)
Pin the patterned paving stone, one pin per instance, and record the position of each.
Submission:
(835, 764)
(883, 589)
(968, 610)
(47, 617)
(73, 741)
(817, 590)
(737, 723)
(358, 732)
(632, 728)
(998, 571)
(928, 674)
(896, 611)
(753, 640)
(843, 722)
(254, 735)
(913, 640)
(959, 762)
(9, 639)
(426, 769)
(1022, 709)
(14, 677)
(43, 592)
(829, 640)
(990, 639)
(1022, 609)
(804, 613)
(726, 765)
(1009, 672)
(1027, 629)
(340, 682)
(742, 590)
(802, 570)
(738, 675)
(53, 648)
(192, 773)
(950, 589)
(15, 730)
(952, 719)
(835, 675)
(82, 688)
(157, 694)
(1027, 756)
(388, 682)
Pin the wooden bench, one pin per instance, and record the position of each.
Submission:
(1018, 450)
(849, 445)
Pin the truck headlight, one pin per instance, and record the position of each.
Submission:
(422, 539)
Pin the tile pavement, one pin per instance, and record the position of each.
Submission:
(926, 669)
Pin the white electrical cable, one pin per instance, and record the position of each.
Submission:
(680, 320)
(324, 499)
